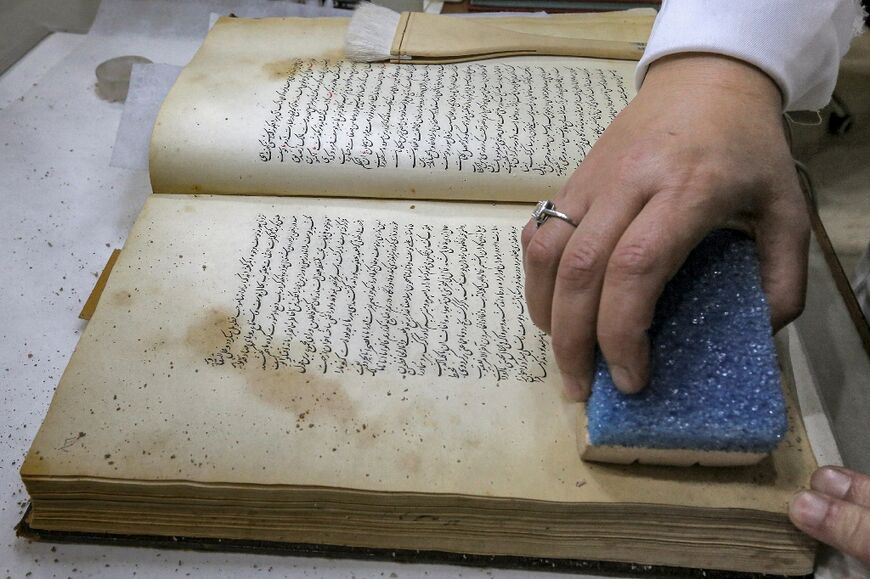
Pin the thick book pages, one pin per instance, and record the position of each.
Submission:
(313, 367)
(362, 373)
(268, 107)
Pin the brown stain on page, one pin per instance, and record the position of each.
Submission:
(306, 396)
(279, 69)
(208, 335)
(287, 67)
(121, 298)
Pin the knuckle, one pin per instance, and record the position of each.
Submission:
(711, 175)
(568, 353)
(581, 265)
(574, 184)
(633, 260)
(541, 252)
(616, 333)
(643, 153)
(693, 199)
(610, 338)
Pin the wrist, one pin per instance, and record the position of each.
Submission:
(708, 73)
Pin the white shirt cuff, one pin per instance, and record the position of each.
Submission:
(798, 43)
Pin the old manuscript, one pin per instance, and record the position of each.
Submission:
(316, 331)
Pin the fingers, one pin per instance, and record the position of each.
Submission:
(842, 483)
(783, 237)
(578, 289)
(542, 250)
(647, 255)
(843, 524)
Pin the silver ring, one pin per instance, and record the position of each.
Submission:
(547, 209)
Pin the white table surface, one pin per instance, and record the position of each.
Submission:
(62, 209)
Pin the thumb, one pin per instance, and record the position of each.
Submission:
(782, 238)
(836, 511)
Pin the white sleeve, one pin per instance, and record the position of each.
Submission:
(798, 43)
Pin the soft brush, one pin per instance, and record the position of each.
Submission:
(379, 34)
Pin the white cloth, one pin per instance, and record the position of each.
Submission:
(798, 43)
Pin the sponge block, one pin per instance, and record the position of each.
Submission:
(714, 395)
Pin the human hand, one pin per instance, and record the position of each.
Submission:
(701, 147)
(836, 511)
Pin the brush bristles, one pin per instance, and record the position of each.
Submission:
(370, 33)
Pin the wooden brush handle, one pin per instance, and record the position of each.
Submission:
(590, 48)
(434, 38)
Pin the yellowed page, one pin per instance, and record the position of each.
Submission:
(269, 107)
(361, 344)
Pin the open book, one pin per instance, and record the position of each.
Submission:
(316, 332)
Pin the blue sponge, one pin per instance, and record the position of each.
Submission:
(715, 383)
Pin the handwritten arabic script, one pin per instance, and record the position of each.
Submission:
(339, 295)
(481, 118)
